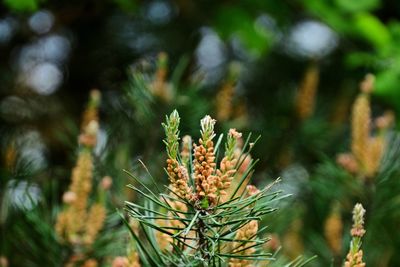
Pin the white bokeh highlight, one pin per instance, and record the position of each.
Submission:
(311, 39)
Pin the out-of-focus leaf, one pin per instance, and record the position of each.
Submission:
(387, 86)
(127, 5)
(236, 22)
(394, 28)
(359, 5)
(328, 14)
(361, 59)
(372, 29)
(21, 5)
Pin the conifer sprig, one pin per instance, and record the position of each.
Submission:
(171, 127)
(195, 226)
(207, 129)
(355, 255)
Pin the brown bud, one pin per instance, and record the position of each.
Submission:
(106, 182)
(120, 262)
(367, 85)
(3, 261)
(385, 121)
(69, 197)
(348, 162)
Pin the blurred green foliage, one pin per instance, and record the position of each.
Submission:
(108, 38)
(22, 5)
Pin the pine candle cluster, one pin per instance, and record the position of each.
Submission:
(210, 215)
(79, 223)
(354, 257)
(333, 230)
(225, 102)
(211, 183)
(228, 105)
(366, 150)
(159, 86)
(307, 92)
